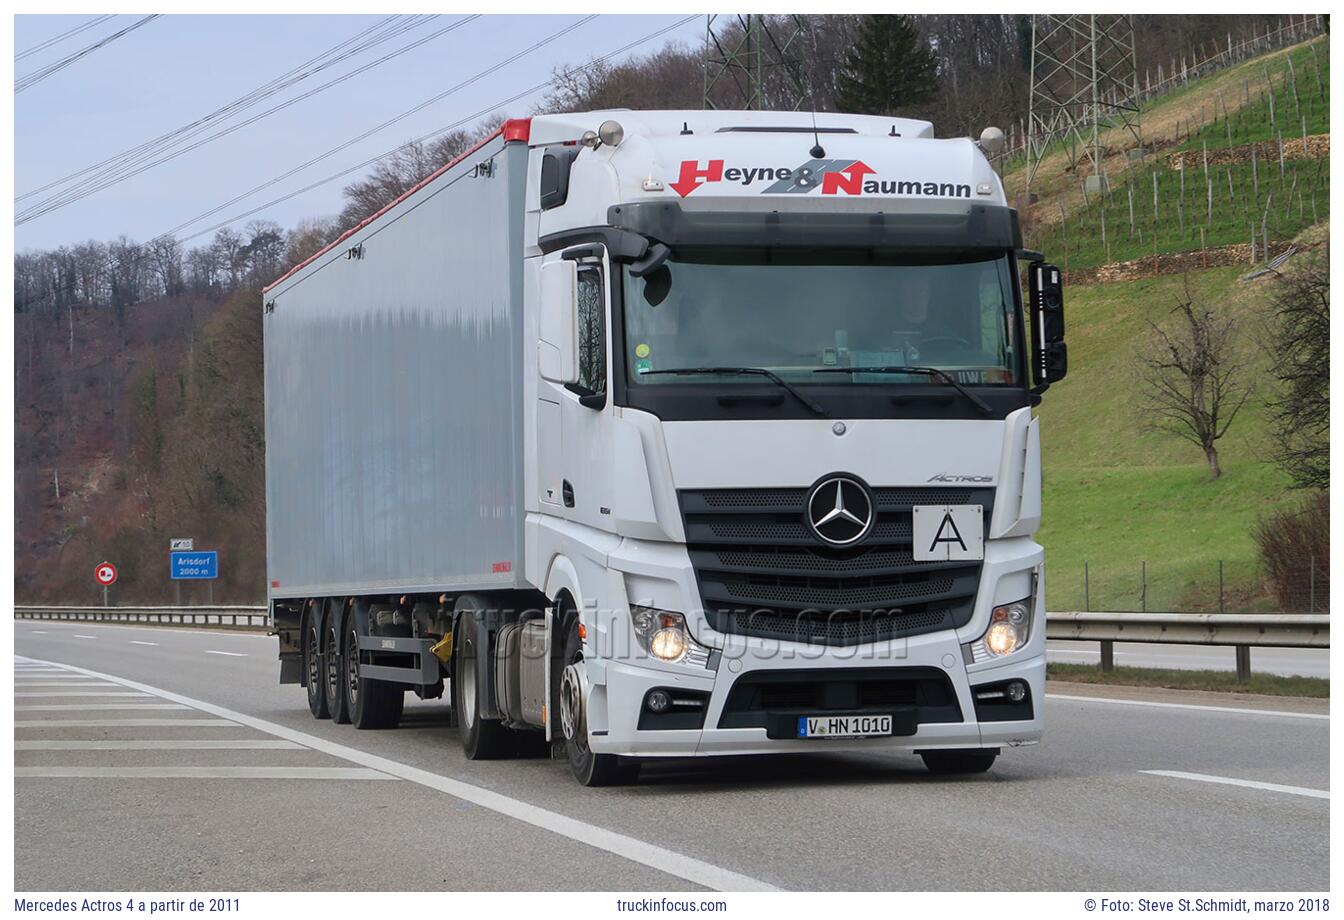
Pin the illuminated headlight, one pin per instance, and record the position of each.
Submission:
(1009, 629)
(663, 634)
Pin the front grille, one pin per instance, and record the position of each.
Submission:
(775, 699)
(762, 572)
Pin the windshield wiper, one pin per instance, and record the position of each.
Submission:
(980, 404)
(758, 371)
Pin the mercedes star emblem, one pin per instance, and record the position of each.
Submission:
(840, 510)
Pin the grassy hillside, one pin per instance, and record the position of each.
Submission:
(1118, 494)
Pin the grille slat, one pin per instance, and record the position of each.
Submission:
(763, 572)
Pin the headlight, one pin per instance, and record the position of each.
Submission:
(663, 634)
(1009, 630)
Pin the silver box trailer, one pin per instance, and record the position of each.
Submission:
(394, 438)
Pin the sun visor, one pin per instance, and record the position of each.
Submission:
(923, 225)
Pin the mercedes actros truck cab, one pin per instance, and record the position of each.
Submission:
(672, 434)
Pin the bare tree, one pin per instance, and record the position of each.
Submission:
(1192, 377)
(1301, 349)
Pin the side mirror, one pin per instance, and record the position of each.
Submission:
(1050, 356)
(558, 338)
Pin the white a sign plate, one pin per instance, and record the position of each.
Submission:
(181, 544)
(949, 533)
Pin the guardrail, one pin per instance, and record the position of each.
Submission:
(1239, 630)
(1242, 631)
(240, 617)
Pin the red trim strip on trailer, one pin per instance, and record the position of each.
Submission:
(513, 129)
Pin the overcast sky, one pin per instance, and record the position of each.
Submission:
(178, 68)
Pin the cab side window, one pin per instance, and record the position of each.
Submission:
(592, 341)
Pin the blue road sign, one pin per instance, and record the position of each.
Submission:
(188, 566)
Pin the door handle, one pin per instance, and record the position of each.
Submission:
(567, 493)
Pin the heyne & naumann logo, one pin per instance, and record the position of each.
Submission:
(832, 177)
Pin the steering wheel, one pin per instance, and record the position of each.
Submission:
(946, 338)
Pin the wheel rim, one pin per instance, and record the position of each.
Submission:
(333, 666)
(314, 663)
(352, 665)
(572, 721)
(467, 684)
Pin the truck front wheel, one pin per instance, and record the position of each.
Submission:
(589, 767)
(953, 762)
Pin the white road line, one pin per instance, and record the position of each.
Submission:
(86, 707)
(639, 851)
(82, 636)
(124, 723)
(82, 692)
(44, 682)
(230, 654)
(198, 773)
(37, 632)
(184, 744)
(1248, 783)
(1233, 710)
(138, 642)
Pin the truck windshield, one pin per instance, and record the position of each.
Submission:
(796, 314)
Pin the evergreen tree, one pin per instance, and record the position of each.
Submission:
(889, 68)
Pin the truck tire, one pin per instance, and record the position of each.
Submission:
(949, 763)
(482, 739)
(371, 703)
(333, 685)
(589, 767)
(315, 668)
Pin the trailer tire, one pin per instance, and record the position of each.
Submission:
(333, 684)
(950, 763)
(482, 739)
(589, 767)
(372, 704)
(315, 668)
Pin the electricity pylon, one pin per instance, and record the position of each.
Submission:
(1084, 80)
(756, 61)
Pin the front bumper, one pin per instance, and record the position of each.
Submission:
(626, 686)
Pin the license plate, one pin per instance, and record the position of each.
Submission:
(843, 726)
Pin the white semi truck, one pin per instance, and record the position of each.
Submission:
(671, 434)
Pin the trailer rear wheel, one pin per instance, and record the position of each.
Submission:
(954, 762)
(482, 739)
(335, 692)
(314, 668)
(371, 703)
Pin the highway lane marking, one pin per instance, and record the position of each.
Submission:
(1248, 783)
(230, 654)
(124, 723)
(138, 642)
(37, 632)
(86, 707)
(45, 681)
(83, 692)
(184, 744)
(199, 773)
(81, 636)
(1228, 709)
(633, 849)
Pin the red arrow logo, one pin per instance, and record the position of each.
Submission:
(852, 184)
(692, 176)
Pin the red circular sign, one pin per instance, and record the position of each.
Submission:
(105, 574)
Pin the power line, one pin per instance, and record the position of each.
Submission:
(438, 131)
(389, 122)
(61, 200)
(37, 76)
(68, 33)
(328, 58)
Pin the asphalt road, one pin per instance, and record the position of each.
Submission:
(1286, 662)
(169, 759)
